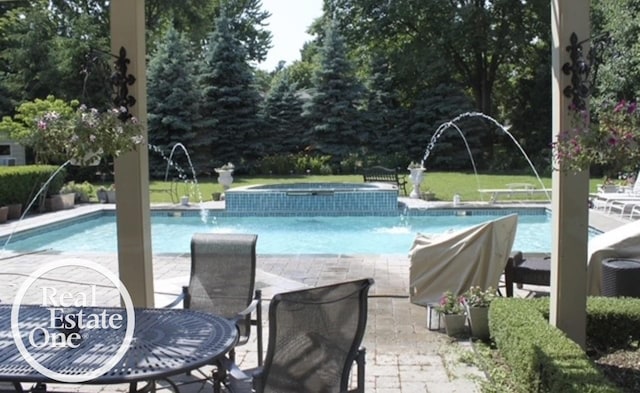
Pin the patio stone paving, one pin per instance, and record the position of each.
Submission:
(402, 354)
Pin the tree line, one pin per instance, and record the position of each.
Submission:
(371, 88)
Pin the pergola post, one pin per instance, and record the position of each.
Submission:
(570, 213)
(132, 169)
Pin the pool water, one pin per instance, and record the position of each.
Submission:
(283, 235)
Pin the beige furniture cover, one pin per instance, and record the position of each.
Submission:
(622, 242)
(456, 261)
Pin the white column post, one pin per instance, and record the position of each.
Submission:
(132, 169)
(570, 213)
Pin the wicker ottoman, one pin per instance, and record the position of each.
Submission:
(621, 277)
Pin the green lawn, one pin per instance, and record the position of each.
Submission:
(443, 184)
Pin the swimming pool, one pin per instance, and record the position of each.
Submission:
(171, 232)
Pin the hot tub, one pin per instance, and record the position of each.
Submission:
(339, 199)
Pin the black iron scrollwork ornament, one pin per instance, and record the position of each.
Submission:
(120, 82)
(579, 69)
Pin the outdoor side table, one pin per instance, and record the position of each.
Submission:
(621, 277)
(166, 342)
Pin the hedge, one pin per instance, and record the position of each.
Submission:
(20, 184)
(542, 358)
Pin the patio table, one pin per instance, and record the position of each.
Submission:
(165, 342)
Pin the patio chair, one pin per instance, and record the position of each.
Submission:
(314, 340)
(622, 242)
(223, 271)
(532, 270)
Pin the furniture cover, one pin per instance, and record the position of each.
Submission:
(456, 261)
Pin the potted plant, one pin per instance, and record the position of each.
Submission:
(81, 191)
(452, 314)
(106, 194)
(476, 303)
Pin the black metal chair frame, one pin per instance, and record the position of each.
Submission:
(258, 380)
(530, 270)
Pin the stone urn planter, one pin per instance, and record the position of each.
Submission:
(224, 175)
(416, 174)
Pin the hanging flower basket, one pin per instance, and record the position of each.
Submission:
(612, 138)
(87, 135)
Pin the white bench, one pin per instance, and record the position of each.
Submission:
(514, 189)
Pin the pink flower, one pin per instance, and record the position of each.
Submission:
(620, 106)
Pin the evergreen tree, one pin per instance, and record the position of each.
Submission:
(172, 104)
(282, 113)
(332, 111)
(383, 114)
(434, 108)
(229, 103)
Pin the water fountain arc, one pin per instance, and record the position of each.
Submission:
(452, 123)
(182, 173)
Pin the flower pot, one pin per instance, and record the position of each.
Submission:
(4, 211)
(60, 202)
(102, 196)
(68, 200)
(479, 322)
(111, 196)
(53, 203)
(454, 324)
(215, 196)
(15, 211)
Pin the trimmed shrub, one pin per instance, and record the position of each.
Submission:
(20, 184)
(541, 357)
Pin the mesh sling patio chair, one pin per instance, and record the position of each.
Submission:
(314, 340)
(223, 271)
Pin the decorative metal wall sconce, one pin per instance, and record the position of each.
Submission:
(579, 69)
(120, 81)
(583, 69)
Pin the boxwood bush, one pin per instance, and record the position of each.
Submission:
(541, 357)
(19, 184)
